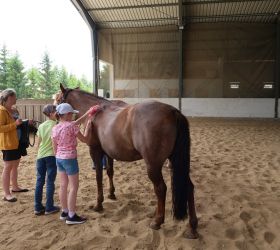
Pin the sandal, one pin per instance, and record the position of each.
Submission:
(20, 190)
(14, 199)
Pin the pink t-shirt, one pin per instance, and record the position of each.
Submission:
(64, 135)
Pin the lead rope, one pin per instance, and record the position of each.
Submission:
(34, 134)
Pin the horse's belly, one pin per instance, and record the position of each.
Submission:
(118, 146)
(122, 154)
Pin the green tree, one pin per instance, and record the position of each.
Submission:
(33, 89)
(73, 82)
(63, 76)
(86, 84)
(47, 76)
(55, 78)
(3, 67)
(41, 82)
(105, 78)
(16, 75)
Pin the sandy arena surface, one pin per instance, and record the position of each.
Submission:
(235, 167)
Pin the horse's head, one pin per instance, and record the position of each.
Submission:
(57, 98)
(60, 97)
(78, 99)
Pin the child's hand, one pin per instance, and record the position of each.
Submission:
(93, 110)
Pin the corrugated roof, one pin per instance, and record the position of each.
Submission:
(231, 11)
(149, 13)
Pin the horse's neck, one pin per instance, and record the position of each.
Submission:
(83, 102)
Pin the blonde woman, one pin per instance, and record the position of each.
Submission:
(9, 144)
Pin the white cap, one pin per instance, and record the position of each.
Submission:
(65, 108)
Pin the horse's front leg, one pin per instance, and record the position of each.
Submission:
(110, 173)
(155, 176)
(96, 155)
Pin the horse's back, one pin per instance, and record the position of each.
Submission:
(142, 129)
(135, 131)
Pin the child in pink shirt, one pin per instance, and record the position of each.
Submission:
(64, 138)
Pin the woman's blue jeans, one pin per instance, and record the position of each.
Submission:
(45, 167)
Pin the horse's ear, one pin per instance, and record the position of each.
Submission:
(62, 88)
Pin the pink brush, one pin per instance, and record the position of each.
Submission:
(93, 110)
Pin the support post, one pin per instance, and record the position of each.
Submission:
(95, 61)
(277, 66)
(94, 42)
(181, 28)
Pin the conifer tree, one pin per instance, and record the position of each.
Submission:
(3, 67)
(16, 75)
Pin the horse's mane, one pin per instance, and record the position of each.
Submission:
(93, 95)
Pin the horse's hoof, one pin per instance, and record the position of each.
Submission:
(155, 226)
(112, 197)
(98, 208)
(190, 234)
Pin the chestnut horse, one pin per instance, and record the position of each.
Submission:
(152, 131)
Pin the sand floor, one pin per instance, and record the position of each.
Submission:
(235, 167)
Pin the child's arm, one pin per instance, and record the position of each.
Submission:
(85, 137)
(82, 118)
(54, 146)
(39, 142)
(89, 113)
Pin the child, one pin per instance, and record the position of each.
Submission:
(46, 164)
(64, 137)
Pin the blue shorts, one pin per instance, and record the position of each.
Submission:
(69, 166)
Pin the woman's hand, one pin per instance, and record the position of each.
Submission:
(18, 122)
(30, 122)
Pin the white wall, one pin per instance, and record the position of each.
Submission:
(220, 107)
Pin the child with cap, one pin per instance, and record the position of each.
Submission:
(46, 164)
(64, 137)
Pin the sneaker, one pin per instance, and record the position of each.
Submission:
(55, 209)
(76, 219)
(63, 216)
(40, 212)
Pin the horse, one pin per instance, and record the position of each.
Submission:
(152, 131)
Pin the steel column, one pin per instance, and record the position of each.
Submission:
(94, 42)
(277, 66)
(181, 27)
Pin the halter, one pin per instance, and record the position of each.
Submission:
(65, 94)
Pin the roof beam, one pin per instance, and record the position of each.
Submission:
(134, 7)
(218, 1)
(139, 20)
(146, 42)
(231, 16)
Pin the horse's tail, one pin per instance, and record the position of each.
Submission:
(180, 159)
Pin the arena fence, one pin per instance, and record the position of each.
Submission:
(32, 109)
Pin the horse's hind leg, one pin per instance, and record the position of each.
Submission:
(110, 173)
(192, 213)
(155, 176)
